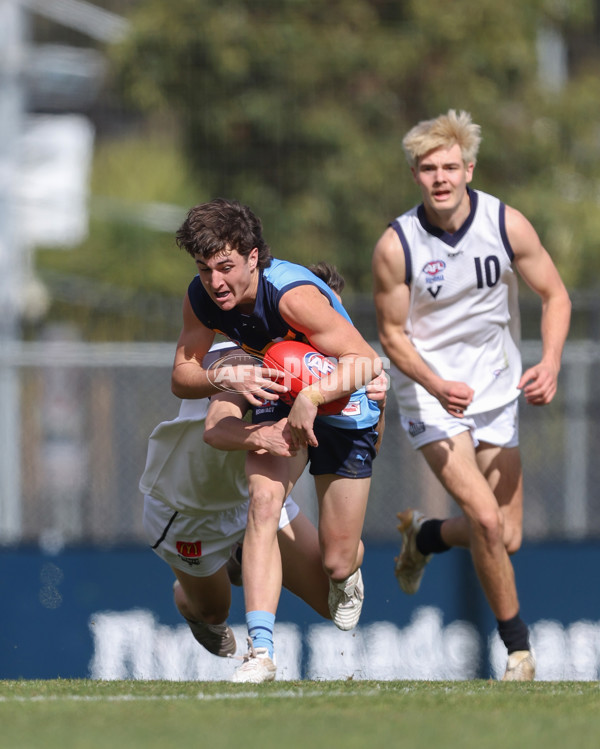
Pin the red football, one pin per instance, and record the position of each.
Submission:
(302, 365)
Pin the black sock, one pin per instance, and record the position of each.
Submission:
(429, 538)
(514, 634)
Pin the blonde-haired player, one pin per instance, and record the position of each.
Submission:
(445, 292)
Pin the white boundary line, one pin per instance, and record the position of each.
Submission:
(293, 694)
(557, 689)
(384, 689)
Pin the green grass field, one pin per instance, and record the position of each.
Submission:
(364, 714)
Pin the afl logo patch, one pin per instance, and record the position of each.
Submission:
(318, 365)
(434, 267)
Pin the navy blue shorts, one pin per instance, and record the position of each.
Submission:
(343, 452)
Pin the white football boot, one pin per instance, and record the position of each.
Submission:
(257, 666)
(345, 601)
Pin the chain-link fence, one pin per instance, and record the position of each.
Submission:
(75, 419)
(557, 451)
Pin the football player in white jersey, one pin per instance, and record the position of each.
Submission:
(196, 506)
(446, 301)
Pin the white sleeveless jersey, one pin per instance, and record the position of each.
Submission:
(187, 474)
(464, 315)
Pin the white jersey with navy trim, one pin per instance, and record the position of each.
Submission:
(186, 473)
(464, 315)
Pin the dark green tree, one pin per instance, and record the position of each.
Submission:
(297, 107)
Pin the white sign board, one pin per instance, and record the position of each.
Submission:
(51, 194)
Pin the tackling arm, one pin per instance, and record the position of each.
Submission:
(226, 429)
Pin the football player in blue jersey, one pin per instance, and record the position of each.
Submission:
(253, 299)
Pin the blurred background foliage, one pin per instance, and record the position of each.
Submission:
(298, 108)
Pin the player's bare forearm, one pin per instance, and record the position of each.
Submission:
(556, 319)
(454, 396)
(403, 355)
(539, 383)
(231, 433)
(189, 380)
(301, 421)
(358, 370)
(274, 439)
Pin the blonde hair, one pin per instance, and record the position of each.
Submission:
(443, 132)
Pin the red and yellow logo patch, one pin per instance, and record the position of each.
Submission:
(188, 549)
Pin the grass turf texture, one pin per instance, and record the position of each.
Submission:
(219, 715)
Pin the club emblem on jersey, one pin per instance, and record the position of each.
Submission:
(415, 428)
(435, 268)
(434, 274)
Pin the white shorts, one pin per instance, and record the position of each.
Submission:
(199, 544)
(498, 427)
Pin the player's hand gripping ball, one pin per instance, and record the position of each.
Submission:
(302, 365)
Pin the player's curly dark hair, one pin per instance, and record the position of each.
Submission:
(221, 226)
